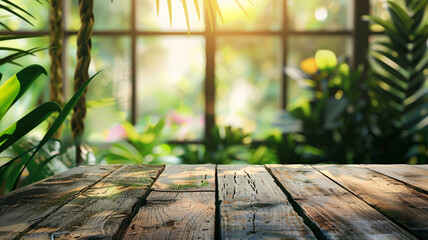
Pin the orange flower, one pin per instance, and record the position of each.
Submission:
(309, 66)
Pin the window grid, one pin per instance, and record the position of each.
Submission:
(359, 35)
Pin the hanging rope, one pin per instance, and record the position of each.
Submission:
(55, 52)
(81, 75)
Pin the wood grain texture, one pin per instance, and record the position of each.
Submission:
(186, 178)
(423, 166)
(181, 206)
(335, 211)
(394, 199)
(103, 210)
(174, 215)
(29, 205)
(253, 206)
(409, 174)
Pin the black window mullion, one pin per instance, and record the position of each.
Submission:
(209, 84)
(284, 38)
(133, 63)
(360, 32)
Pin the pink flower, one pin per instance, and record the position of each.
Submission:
(176, 118)
(116, 133)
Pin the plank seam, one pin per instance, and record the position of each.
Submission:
(398, 180)
(27, 230)
(137, 206)
(217, 215)
(298, 209)
(373, 206)
(184, 191)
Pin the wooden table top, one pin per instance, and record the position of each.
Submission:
(222, 202)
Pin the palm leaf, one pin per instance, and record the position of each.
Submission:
(59, 120)
(17, 85)
(26, 124)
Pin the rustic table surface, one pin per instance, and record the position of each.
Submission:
(222, 202)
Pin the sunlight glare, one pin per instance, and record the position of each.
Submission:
(321, 14)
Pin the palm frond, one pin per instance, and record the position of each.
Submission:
(399, 71)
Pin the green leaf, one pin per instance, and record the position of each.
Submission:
(64, 113)
(17, 85)
(60, 119)
(399, 16)
(10, 10)
(26, 124)
(18, 7)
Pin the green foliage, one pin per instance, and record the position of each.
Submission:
(14, 10)
(11, 91)
(228, 146)
(139, 146)
(398, 97)
(327, 124)
(336, 122)
(51, 159)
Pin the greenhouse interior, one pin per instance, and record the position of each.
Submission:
(210, 82)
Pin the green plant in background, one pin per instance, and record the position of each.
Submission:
(399, 100)
(139, 145)
(326, 122)
(228, 145)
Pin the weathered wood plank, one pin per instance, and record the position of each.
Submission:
(181, 206)
(31, 204)
(403, 204)
(174, 215)
(423, 166)
(416, 177)
(103, 210)
(186, 178)
(335, 211)
(253, 206)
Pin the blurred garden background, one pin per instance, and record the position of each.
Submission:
(269, 81)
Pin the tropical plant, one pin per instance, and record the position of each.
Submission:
(51, 159)
(10, 92)
(326, 122)
(212, 9)
(15, 10)
(399, 72)
(138, 145)
(227, 145)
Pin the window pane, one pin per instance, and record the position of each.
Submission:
(248, 73)
(170, 77)
(319, 14)
(147, 19)
(302, 47)
(263, 15)
(109, 15)
(112, 86)
(40, 11)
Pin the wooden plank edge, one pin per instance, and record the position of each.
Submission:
(398, 180)
(136, 208)
(371, 205)
(421, 166)
(297, 208)
(27, 230)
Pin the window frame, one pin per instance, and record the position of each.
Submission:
(359, 34)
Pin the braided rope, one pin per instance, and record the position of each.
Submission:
(81, 75)
(55, 52)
